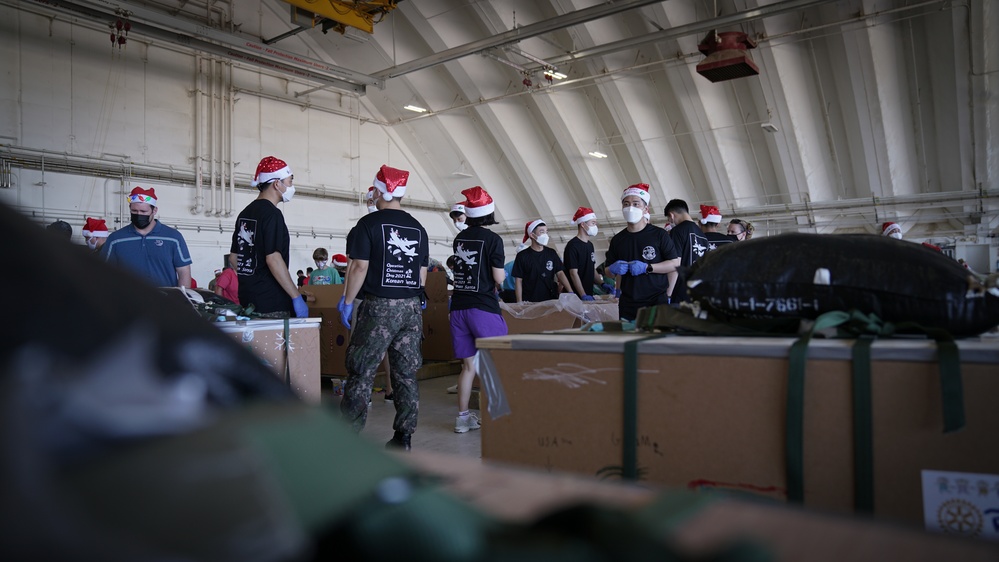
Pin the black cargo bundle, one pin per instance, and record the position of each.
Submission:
(805, 275)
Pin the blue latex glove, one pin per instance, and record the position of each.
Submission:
(620, 267)
(638, 267)
(301, 309)
(607, 289)
(617, 293)
(346, 310)
(587, 297)
(423, 302)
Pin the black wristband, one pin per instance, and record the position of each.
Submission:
(648, 269)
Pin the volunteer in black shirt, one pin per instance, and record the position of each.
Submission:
(389, 254)
(475, 311)
(579, 256)
(690, 243)
(537, 270)
(710, 220)
(642, 256)
(260, 245)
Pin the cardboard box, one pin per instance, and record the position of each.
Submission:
(437, 344)
(711, 413)
(436, 287)
(333, 337)
(265, 338)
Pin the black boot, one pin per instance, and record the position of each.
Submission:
(399, 441)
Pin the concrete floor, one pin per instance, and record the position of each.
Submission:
(435, 428)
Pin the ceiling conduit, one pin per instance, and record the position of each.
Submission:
(167, 28)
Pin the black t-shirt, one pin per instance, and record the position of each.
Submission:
(651, 245)
(716, 239)
(477, 250)
(395, 246)
(691, 244)
(537, 271)
(579, 255)
(260, 231)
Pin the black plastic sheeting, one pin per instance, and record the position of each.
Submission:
(805, 275)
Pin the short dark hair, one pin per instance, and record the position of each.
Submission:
(454, 214)
(487, 220)
(676, 205)
(61, 227)
(309, 270)
(451, 262)
(265, 185)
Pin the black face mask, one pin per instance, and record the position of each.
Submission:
(141, 221)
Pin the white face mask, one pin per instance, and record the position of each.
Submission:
(320, 265)
(543, 239)
(632, 214)
(288, 194)
(372, 209)
(591, 230)
(92, 243)
(896, 235)
(647, 216)
(460, 226)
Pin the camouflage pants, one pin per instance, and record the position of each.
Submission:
(395, 325)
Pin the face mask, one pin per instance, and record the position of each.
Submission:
(591, 230)
(632, 214)
(92, 243)
(372, 209)
(543, 239)
(460, 226)
(896, 235)
(320, 265)
(647, 216)
(288, 194)
(141, 221)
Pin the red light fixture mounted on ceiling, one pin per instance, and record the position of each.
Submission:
(727, 56)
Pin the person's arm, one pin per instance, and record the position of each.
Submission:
(518, 290)
(184, 276)
(279, 269)
(357, 271)
(577, 283)
(423, 276)
(233, 259)
(499, 276)
(668, 267)
(563, 282)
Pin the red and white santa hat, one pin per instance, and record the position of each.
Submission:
(391, 182)
(478, 202)
(139, 195)
(582, 215)
(710, 213)
(639, 189)
(529, 228)
(458, 208)
(889, 227)
(95, 228)
(339, 260)
(270, 169)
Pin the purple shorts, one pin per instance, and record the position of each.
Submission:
(471, 323)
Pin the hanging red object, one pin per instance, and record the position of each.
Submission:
(128, 27)
(527, 82)
(727, 56)
(121, 41)
(119, 24)
(114, 38)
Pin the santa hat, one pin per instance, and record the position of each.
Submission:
(639, 189)
(139, 195)
(582, 215)
(889, 227)
(270, 169)
(529, 228)
(95, 228)
(339, 260)
(478, 202)
(458, 208)
(218, 272)
(710, 213)
(391, 182)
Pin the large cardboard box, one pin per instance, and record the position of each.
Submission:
(266, 339)
(333, 337)
(711, 413)
(437, 344)
(436, 287)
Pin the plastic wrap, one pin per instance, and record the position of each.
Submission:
(587, 311)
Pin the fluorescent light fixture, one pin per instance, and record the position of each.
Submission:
(558, 76)
(596, 154)
(769, 127)
(416, 108)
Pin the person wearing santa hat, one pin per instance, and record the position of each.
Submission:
(475, 310)
(340, 264)
(579, 256)
(389, 254)
(891, 230)
(690, 243)
(95, 233)
(261, 244)
(642, 256)
(227, 283)
(148, 247)
(710, 219)
(457, 215)
(538, 272)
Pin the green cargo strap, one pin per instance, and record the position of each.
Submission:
(863, 441)
(951, 386)
(629, 433)
(287, 344)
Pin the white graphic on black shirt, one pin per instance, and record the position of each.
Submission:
(698, 247)
(593, 257)
(467, 268)
(467, 256)
(402, 267)
(549, 266)
(245, 264)
(649, 253)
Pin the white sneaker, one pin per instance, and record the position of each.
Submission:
(452, 389)
(464, 424)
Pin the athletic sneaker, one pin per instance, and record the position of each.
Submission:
(466, 423)
(389, 396)
(452, 389)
